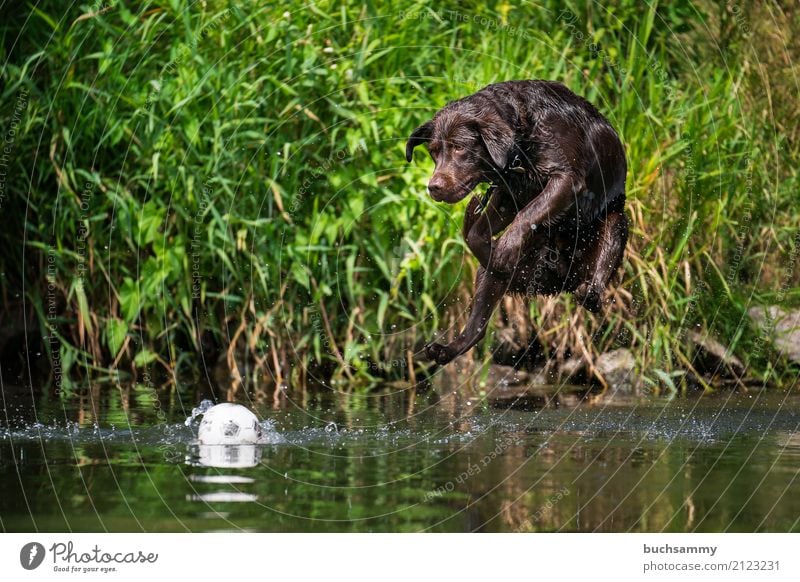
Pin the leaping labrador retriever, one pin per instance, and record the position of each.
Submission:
(552, 219)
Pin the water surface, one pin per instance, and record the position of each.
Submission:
(387, 462)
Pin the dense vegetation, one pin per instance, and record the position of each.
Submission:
(184, 181)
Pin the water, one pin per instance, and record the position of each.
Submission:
(385, 462)
(197, 411)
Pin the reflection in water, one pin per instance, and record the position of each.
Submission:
(223, 497)
(225, 456)
(225, 479)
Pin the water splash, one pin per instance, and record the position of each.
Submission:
(198, 410)
(270, 434)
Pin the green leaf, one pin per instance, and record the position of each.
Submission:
(300, 274)
(150, 219)
(129, 299)
(116, 330)
(83, 305)
(144, 357)
(384, 302)
(667, 380)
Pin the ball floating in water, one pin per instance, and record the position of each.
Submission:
(229, 424)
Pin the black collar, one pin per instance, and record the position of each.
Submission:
(513, 167)
(485, 198)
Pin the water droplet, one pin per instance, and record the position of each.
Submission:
(198, 411)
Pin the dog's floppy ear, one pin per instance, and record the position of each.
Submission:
(497, 136)
(418, 136)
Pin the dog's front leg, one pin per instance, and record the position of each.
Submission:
(481, 225)
(558, 196)
(488, 291)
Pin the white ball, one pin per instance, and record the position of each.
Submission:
(229, 424)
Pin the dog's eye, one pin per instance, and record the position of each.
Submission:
(459, 149)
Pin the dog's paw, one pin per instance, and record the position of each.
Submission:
(589, 296)
(439, 353)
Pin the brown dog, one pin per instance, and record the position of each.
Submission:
(552, 219)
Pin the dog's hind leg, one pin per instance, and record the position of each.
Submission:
(601, 265)
(488, 291)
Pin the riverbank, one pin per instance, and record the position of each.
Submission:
(192, 189)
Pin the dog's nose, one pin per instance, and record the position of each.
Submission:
(436, 187)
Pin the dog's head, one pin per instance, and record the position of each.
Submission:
(467, 148)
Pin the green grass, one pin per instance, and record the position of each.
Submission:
(187, 178)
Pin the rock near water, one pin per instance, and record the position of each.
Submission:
(781, 326)
(712, 358)
(618, 369)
